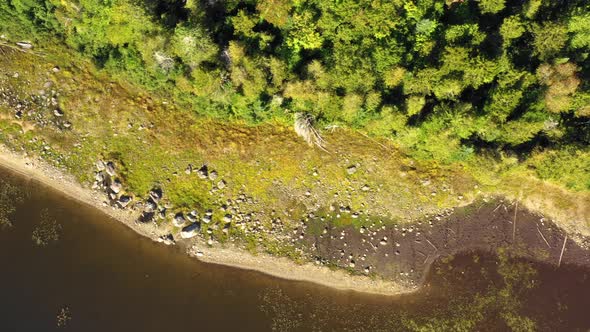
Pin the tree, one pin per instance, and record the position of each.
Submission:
(550, 39)
(561, 83)
(192, 45)
(247, 73)
(393, 77)
(303, 33)
(491, 6)
(275, 12)
(511, 28)
(579, 27)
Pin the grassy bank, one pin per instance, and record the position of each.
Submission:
(268, 173)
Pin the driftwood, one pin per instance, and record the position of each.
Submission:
(435, 248)
(562, 250)
(15, 48)
(514, 222)
(543, 237)
(304, 127)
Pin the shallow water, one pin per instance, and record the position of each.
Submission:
(107, 278)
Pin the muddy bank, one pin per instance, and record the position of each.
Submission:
(405, 252)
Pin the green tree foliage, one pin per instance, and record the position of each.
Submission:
(561, 83)
(511, 28)
(441, 78)
(531, 7)
(579, 27)
(491, 6)
(192, 45)
(550, 39)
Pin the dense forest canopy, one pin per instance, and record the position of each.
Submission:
(444, 79)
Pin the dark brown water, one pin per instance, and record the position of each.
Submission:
(107, 278)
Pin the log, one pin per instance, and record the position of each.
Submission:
(562, 250)
(543, 237)
(514, 222)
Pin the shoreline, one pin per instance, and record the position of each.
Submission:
(278, 267)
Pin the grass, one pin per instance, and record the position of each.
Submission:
(152, 139)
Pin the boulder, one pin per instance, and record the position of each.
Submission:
(116, 186)
(110, 168)
(99, 177)
(167, 239)
(192, 217)
(124, 200)
(351, 169)
(150, 206)
(190, 230)
(188, 169)
(146, 217)
(221, 184)
(179, 220)
(156, 194)
(203, 172)
(100, 166)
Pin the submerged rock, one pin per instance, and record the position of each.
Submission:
(167, 239)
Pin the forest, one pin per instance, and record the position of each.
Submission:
(447, 81)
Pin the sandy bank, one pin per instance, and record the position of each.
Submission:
(283, 268)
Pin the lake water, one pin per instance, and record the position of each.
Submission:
(101, 276)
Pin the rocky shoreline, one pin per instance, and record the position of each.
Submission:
(227, 255)
(385, 260)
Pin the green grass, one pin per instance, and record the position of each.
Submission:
(266, 161)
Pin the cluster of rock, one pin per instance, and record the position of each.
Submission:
(204, 172)
(361, 249)
(153, 208)
(41, 107)
(107, 180)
